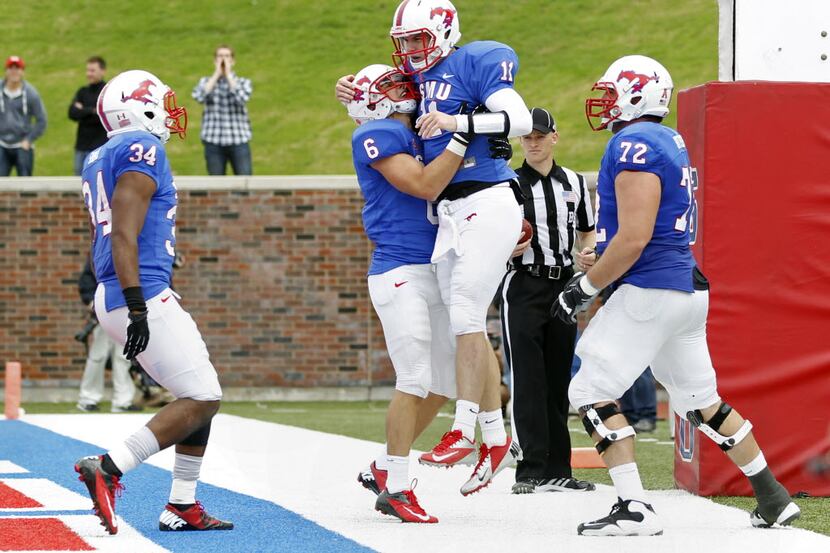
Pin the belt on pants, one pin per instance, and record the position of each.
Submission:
(544, 271)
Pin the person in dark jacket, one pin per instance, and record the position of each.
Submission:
(91, 133)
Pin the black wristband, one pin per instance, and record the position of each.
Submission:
(135, 298)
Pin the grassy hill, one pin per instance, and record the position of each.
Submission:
(294, 50)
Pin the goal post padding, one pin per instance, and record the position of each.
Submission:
(762, 151)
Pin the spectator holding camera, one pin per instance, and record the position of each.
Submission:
(226, 128)
(101, 350)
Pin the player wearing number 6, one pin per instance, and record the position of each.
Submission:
(398, 217)
(465, 89)
(129, 192)
(657, 315)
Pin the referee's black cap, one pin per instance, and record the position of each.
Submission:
(543, 120)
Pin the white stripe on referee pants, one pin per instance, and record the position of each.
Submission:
(506, 328)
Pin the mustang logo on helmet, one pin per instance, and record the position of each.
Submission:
(448, 14)
(141, 94)
(358, 94)
(639, 79)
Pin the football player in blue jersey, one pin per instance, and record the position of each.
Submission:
(399, 218)
(466, 89)
(657, 314)
(129, 191)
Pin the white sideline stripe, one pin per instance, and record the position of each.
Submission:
(52, 496)
(7, 467)
(314, 474)
(89, 528)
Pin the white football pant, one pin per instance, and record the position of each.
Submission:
(176, 356)
(641, 327)
(416, 326)
(476, 236)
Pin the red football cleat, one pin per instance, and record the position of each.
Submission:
(102, 487)
(451, 450)
(403, 505)
(193, 518)
(491, 461)
(373, 479)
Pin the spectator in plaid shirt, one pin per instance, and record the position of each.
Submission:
(226, 129)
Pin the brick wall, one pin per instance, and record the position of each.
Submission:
(275, 278)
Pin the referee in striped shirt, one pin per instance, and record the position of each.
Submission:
(539, 348)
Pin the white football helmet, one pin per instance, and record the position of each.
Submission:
(138, 100)
(632, 87)
(380, 91)
(433, 23)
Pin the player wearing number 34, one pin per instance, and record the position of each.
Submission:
(129, 192)
(657, 314)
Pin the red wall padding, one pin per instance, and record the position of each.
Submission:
(762, 151)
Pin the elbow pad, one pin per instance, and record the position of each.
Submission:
(508, 101)
(487, 124)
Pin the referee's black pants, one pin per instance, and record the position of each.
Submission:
(539, 351)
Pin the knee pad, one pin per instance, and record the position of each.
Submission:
(198, 438)
(593, 421)
(712, 427)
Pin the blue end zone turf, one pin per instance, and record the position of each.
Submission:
(260, 526)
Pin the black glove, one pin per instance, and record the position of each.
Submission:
(500, 148)
(571, 301)
(138, 334)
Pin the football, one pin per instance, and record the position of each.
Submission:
(527, 232)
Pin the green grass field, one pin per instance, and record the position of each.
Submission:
(294, 50)
(365, 420)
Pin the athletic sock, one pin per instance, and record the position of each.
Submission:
(398, 478)
(465, 418)
(186, 470)
(626, 479)
(134, 451)
(492, 428)
(755, 466)
(380, 460)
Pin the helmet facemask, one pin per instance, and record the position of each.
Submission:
(380, 91)
(176, 120)
(395, 87)
(604, 108)
(429, 54)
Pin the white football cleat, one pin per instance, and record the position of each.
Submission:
(453, 449)
(627, 518)
(491, 461)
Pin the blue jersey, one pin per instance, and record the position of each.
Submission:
(459, 84)
(666, 261)
(402, 227)
(142, 152)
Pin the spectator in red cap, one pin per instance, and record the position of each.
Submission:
(20, 104)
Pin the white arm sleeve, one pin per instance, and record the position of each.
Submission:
(509, 101)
